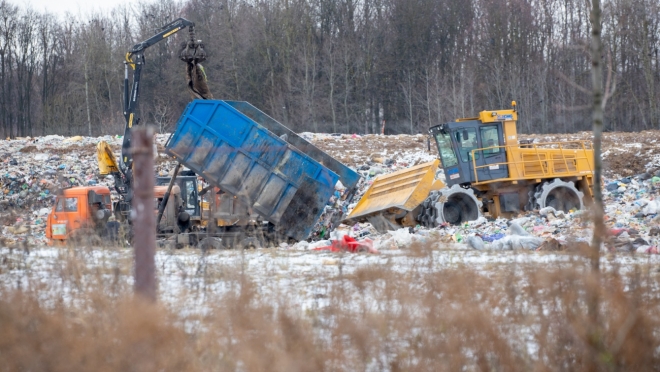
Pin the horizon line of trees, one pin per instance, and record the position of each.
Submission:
(346, 66)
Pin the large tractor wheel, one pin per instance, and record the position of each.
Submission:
(250, 242)
(560, 195)
(451, 205)
(427, 213)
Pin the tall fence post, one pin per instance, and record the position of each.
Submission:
(143, 218)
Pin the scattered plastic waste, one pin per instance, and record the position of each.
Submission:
(34, 169)
(475, 242)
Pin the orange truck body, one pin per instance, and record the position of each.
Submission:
(73, 211)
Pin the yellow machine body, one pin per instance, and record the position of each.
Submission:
(396, 195)
(106, 159)
(524, 176)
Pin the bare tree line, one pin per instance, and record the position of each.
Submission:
(347, 66)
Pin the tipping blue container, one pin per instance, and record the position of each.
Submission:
(233, 152)
(348, 177)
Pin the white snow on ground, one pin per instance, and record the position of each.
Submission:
(302, 276)
(191, 282)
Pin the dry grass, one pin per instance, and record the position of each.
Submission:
(111, 336)
(510, 317)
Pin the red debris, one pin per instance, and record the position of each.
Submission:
(348, 244)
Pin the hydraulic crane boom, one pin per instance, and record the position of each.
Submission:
(192, 52)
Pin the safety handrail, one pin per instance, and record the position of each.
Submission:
(582, 146)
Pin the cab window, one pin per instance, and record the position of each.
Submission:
(466, 139)
(444, 149)
(191, 195)
(489, 138)
(66, 205)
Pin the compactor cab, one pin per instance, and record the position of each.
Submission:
(479, 142)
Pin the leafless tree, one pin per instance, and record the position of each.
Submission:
(337, 66)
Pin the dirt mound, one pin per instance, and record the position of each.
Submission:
(624, 154)
(623, 164)
(354, 150)
(28, 149)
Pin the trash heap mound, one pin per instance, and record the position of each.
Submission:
(34, 169)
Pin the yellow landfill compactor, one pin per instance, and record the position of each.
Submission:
(487, 171)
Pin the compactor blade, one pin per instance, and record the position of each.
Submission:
(396, 194)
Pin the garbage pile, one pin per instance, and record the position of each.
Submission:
(632, 209)
(34, 169)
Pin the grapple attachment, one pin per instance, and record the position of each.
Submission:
(192, 51)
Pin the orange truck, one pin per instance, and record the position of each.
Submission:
(81, 212)
(84, 212)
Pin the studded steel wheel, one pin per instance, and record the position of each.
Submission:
(560, 195)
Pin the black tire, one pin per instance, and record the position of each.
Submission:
(250, 242)
(111, 232)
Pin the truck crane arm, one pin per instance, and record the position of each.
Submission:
(192, 52)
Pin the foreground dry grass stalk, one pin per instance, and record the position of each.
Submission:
(511, 317)
(124, 336)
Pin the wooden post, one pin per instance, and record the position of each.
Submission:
(142, 214)
(595, 330)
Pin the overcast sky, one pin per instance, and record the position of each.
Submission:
(74, 6)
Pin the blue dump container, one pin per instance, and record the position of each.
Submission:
(348, 177)
(231, 151)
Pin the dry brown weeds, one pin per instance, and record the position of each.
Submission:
(511, 318)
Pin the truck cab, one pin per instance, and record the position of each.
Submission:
(215, 206)
(189, 192)
(79, 209)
